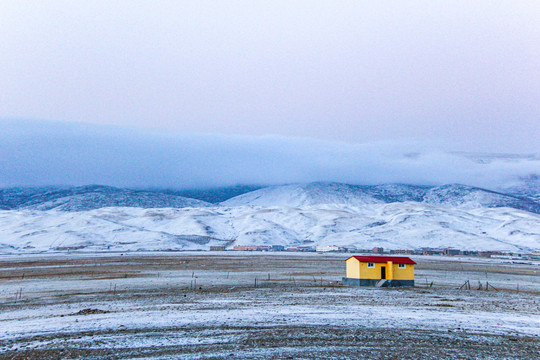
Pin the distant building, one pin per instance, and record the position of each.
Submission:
(251, 248)
(509, 257)
(488, 253)
(381, 271)
(244, 248)
(217, 248)
(306, 248)
(329, 248)
(404, 252)
(378, 250)
(300, 248)
(451, 252)
(277, 248)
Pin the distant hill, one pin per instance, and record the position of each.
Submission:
(524, 187)
(212, 195)
(298, 195)
(398, 225)
(394, 216)
(462, 196)
(454, 195)
(90, 197)
(294, 195)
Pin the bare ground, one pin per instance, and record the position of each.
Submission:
(203, 306)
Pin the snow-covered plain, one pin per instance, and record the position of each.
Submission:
(403, 225)
(133, 306)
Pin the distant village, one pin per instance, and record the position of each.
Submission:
(380, 250)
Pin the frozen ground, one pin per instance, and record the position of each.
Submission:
(209, 306)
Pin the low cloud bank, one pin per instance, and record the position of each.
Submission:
(34, 153)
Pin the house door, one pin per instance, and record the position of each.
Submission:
(383, 272)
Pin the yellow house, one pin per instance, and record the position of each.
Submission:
(381, 271)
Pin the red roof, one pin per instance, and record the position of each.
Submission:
(383, 259)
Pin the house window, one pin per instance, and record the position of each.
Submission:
(370, 265)
(402, 266)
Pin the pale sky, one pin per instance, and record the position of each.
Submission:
(463, 73)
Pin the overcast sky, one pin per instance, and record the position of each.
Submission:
(462, 73)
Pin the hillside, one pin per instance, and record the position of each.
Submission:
(454, 195)
(407, 225)
(88, 198)
(394, 216)
(213, 195)
(524, 187)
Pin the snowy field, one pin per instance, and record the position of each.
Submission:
(221, 305)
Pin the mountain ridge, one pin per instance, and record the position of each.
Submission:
(457, 195)
(393, 216)
(89, 197)
(67, 198)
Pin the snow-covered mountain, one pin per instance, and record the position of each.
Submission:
(89, 197)
(463, 196)
(455, 195)
(524, 187)
(299, 195)
(393, 216)
(213, 195)
(407, 225)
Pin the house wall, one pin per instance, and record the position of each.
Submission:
(371, 273)
(359, 270)
(403, 274)
(353, 268)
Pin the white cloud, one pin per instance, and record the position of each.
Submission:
(51, 153)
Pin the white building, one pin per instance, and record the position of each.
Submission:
(328, 248)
